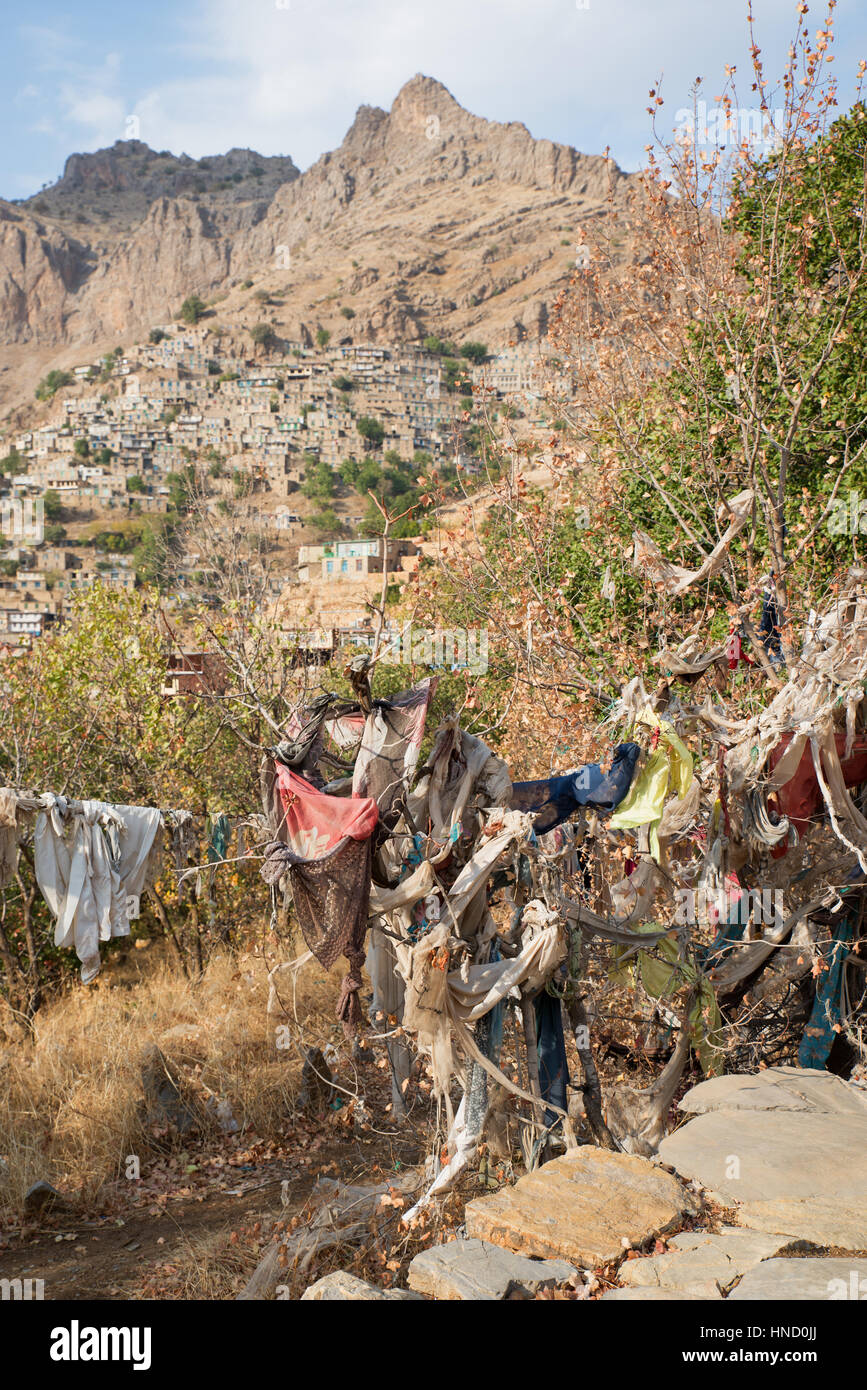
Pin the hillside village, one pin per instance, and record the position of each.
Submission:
(121, 431)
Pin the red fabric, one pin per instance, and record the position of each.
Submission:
(800, 797)
(734, 650)
(314, 822)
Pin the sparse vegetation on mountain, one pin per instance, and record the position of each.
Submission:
(51, 383)
(193, 308)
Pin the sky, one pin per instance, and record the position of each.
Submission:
(287, 76)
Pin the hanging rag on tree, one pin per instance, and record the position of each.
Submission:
(390, 745)
(668, 770)
(92, 865)
(218, 840)
(324, 845)
(555, 799)
(8, 835)
(826, 1018)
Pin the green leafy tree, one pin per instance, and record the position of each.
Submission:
(192, 309)
(14, 462)
(52, 504)
(181, 486)
(319, 482)
(263, 334)
(326, 522)
(371, 430)
(51, 383)
(476, 352)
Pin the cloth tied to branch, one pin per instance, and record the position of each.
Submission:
(325, 848)
(390, 745)
(89, 866)
(555, 799)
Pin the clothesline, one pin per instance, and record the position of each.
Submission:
(30, 801)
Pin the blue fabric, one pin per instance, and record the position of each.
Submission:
(819, 1033)
(551, 1046)
(769, 628)
(555, 799)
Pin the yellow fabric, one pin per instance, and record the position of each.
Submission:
(662, 974)
(668, 769)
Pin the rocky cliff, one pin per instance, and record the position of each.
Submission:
(427, 219)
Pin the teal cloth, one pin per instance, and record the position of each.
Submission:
(218, 842)
(820, 1033)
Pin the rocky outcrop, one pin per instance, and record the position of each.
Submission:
(117, 185)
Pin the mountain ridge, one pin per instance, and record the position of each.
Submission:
(426, 218)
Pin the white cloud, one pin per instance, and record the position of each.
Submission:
(288, 80)
(96, 112)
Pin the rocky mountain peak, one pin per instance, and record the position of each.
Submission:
(426, 219)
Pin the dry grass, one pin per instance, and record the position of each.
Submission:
(215, 1266)
(70, 1098)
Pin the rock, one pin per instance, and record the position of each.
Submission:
(316, 1088)
(164, 1103)
(818, 1280)
(700, 1258)
(772, 1154)
(171, 227)
(221, 1111)
(581, 1207)
(654, 1294)
(475, 1269)
(777, 1088)
(821, 1221)
(42, 1197)
(181, 1033)
(345, 1287)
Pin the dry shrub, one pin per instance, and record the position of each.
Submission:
(70, 1097)
(214, 1266)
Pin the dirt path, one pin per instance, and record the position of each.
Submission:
(156, 1239)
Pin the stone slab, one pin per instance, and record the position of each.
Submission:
(582, 1207)
(700, 1258)
(773, 1153)
(819, 1220)
(777, 1088)
(475, 1269)
(814, 1280)
(644, 1293)
(342, 1286)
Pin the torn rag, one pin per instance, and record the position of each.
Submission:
(555, 799)
(390, 745)
(668, 769)
(325, 847)
(88, 864)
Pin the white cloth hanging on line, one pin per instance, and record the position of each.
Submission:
(90, 863)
